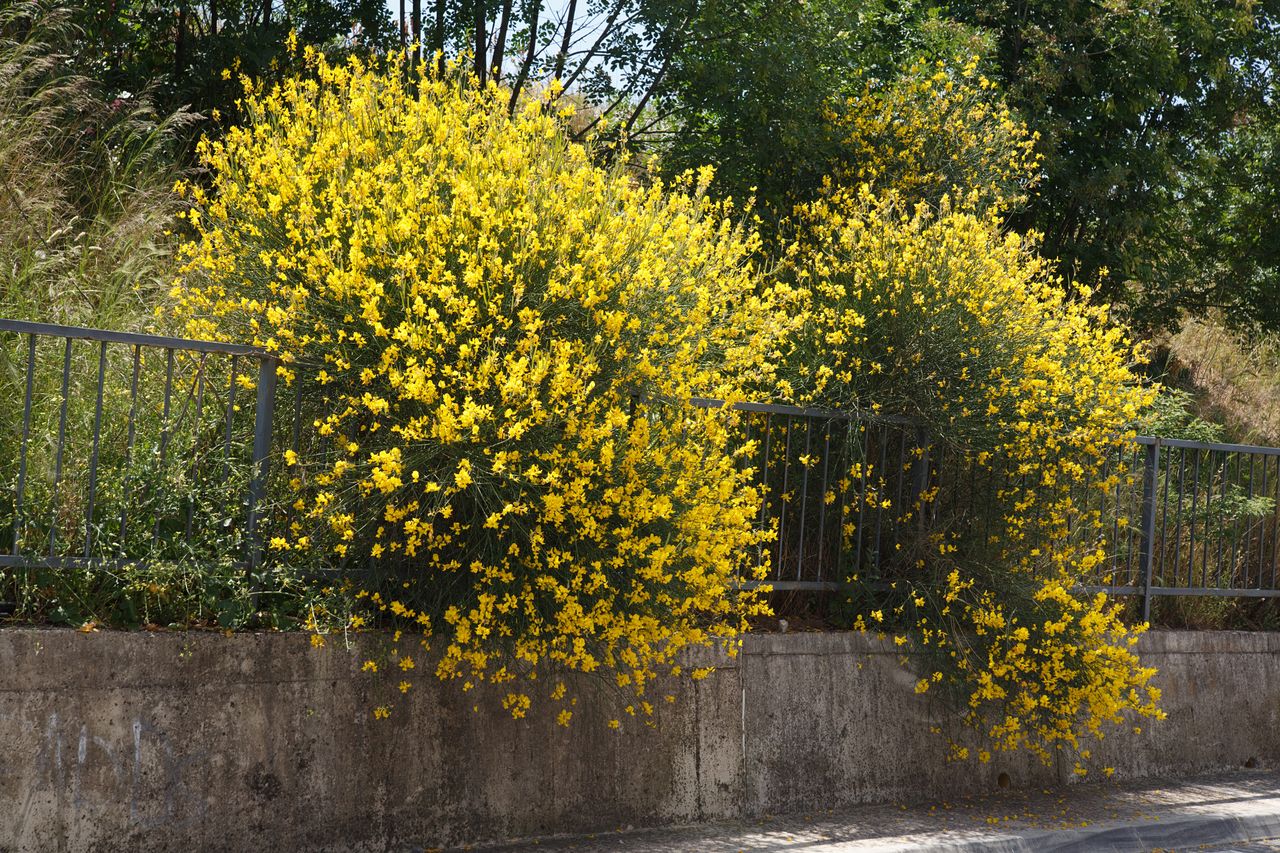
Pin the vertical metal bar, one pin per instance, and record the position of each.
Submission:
(804, 495)
(62, 440)
(295, 444)
(786, 477)
(26, 440)
(1275, 546)
(899, 502)
(1177, 532)
(764, 477)
(262, 418)
(764, 469)
(1223, 505)
(168, 403)
(884, 464)
(1235, 522)
(822, 501)
(1262, 534)
(1133, 531)
(1150, 479)
(862, 490)
(164, 431)
(921, 484)
(129, 441)
(1204, 538)
(195, 446)
(1248, 533)
(1164, 514)
(1115, 519)
(1191, 525)
(231, 410)
(842, 464)
(93, 457)
(1102, 508)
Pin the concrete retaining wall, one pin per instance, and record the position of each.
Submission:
(199, 741)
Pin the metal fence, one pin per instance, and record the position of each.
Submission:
(857, 496)
(832, 484)
(126, 445)
(1207, 522)
(122, 446)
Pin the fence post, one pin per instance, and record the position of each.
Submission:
(920, 483)
(1150, 478)
(262, 417)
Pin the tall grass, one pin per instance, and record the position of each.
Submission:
(1235, 376)
(86, 175)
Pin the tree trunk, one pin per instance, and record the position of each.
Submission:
(415, 28)
(500, 45)
(481, 42)
(566, 41)
(439, 35)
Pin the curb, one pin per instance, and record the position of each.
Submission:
(1179, 833)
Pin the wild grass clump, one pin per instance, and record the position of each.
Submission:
(1235, 376)
(86, 178)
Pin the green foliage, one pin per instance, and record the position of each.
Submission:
(1127, 98)
(754, 93)
(126, 51)
(1216, 240)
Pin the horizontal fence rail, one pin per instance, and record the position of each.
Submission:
(120, 447)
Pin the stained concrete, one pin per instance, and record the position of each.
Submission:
(113, 741)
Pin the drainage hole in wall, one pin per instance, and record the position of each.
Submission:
(1003, 780)
(1251, 763)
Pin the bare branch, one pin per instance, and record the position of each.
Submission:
(566, 41)
(523, 75)
(604, 33)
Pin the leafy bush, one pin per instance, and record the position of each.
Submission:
(496, 342)
(939, 316)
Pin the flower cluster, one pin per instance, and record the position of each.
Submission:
(493, 342)
(941, 128)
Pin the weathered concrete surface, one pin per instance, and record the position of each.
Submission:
(116, 741)
(833, 719)
(1221, 690)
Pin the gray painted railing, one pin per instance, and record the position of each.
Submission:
(841, 491)
(152, 390)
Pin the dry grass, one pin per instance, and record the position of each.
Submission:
(1235, 377)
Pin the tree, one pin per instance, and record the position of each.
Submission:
(178, 49)
(1131, 100)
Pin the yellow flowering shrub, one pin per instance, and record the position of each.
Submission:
(494, 341)
(941, 128)
(939, 316)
